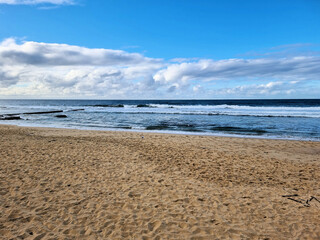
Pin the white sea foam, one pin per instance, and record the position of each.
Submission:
(232, 110)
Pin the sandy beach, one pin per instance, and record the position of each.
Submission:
(75, 184)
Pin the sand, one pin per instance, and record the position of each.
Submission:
(73, 184)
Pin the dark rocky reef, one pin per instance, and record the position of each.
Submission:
(108, 105)
(142, 105)
(10, 117)
(61, 116)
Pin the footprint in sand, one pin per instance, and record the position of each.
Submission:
(153, 226)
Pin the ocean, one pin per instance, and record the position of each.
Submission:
(297, 119)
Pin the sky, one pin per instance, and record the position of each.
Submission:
(152, 49)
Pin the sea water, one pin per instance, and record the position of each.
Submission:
(282, 119)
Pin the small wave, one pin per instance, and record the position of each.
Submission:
(107, 105)
(185, 125)
(123, 127)
(217, 113)
(174, 127)
(122, 106)
(157, 127)
(240, 107)
(145, 106)
(266, 108)
(230, 129)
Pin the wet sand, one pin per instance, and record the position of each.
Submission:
(73, 184)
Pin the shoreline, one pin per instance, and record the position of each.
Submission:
(168, 132)
(79, 184)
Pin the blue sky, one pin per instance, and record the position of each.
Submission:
(160, 49)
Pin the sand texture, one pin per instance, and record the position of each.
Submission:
(72, 184)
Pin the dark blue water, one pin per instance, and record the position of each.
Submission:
(286, 119)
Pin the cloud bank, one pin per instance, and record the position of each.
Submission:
(50, 70)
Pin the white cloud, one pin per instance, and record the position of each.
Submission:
(35, 2)
(268, 89)
(53, 70)
(60, 70)
(209, 70)
(50, 54)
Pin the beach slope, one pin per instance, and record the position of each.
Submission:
(73, 184)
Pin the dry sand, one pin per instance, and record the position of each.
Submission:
(72, 184)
